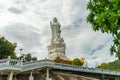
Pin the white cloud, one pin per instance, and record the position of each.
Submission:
(27, 23)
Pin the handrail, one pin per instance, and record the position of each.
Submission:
(49, 63)
(53, 64)
(10, 61)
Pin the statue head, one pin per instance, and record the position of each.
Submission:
(54, 19)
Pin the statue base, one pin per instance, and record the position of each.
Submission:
(54, 55)
(57, 49)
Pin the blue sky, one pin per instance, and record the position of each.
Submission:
(27, 22)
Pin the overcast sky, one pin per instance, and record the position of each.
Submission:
(27, 23)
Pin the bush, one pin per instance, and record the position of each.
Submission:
(77, 62)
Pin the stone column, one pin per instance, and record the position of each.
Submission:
(15, 78)
(47, 74)
(31, 77)
(10, 76)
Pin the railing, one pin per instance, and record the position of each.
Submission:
(49, 63)
(52, 64)
(10, 62)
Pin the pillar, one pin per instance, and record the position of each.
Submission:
(15, 78)
(47, 74)
(10, 76)
(31, 77)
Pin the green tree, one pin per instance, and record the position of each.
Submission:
(6, 48)
(105, 16)
(115, 65)
(27, 57)
(104, 66)
(77, 61)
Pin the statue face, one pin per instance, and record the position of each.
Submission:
(54, 19)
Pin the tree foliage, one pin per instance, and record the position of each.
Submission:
(115, 66)
(77, 61)
(6, 48)
(105, 16)
(104, 66)
(27, 57)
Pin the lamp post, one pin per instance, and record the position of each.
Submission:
(21, 51)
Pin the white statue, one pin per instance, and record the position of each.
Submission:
(55, 28)
(57, 46)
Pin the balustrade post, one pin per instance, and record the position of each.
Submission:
(21, 61)
(8, 60)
